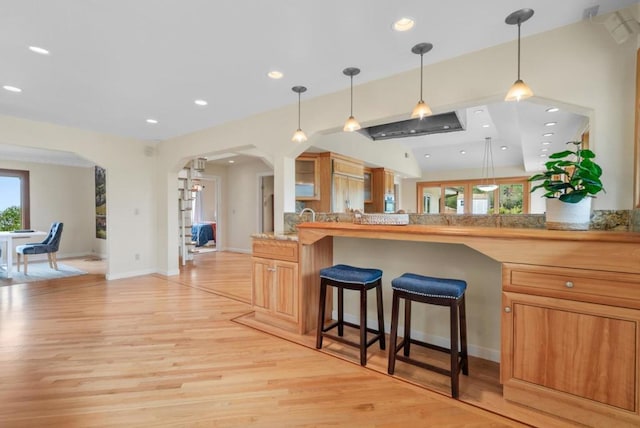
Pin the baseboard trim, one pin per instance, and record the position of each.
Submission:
(131, 274)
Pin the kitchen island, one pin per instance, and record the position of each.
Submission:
(570, 312)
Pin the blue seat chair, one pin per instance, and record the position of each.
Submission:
(351, 278)
(434, 291)
(49, 246)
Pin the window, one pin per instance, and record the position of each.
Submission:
(464, 197)
(14, 199)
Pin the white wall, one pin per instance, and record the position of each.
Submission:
(132, 195)
(483, 276)
(243, 207)
(66, 194)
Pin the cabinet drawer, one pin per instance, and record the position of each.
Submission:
(275, 249)
(571, 283)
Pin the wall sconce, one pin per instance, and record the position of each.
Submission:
(299, 136)
(351, 124)
(421, 109)
(519, 90)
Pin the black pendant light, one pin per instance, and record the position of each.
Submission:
(351, 124)
(299, 136)
(421, 109)
(519, 90)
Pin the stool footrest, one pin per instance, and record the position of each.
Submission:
(429, 345)
(374, 339)
(349, 342)
(427, 365)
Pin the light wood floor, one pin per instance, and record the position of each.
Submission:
(156, 351)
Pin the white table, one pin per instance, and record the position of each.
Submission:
(7, 250)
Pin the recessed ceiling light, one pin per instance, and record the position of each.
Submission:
(503, 147)
(548, 134)
(544, 149)
(479, 111)
(38, 50)
(232, 161)
(412, 131)
(152, 121)
(446, 127)
(552, 109)
(463, 152)
(383, 135)
(543, 155)
(551, 124)
(275, 74)
(201, 102)
(486, 125)
(427, 155)
(546, 143)
(404, 24)
(11, 88)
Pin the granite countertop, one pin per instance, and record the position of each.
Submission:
(276, 236)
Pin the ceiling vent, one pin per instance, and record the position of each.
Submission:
(435, 124)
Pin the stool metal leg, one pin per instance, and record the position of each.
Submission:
(463, 337)
(455, 372)
(393, 335)
(363, 326)
(380, 314)
(340, 311)
(321, 309)
(407, 327)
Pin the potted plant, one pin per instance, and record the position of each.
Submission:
(571, 180)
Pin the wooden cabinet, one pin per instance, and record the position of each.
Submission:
(275, 280)
(368, 186)
(307, 178)
(382, 186)
(275, 288)
(339, 184)
(570, 342)
(281, 295)
(348, 193)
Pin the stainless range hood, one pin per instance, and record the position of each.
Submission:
(435, 124)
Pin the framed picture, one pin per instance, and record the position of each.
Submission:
(101, 202)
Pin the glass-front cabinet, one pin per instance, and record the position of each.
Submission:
(368, 186)
(307, 179)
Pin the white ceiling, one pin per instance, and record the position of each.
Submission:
(115, 63)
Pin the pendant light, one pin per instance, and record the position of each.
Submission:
(519, 90)
(488, 181)
(299, 136)
(351, 124)
(421, 109)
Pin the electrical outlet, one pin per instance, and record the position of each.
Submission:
(137, 256)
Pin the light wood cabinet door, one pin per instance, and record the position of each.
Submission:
(261, 280)
(307, 178)
(285, 303)
(348, 193)
(356, 194)
(562, 351)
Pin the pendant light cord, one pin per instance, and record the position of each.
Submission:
(488, 163)
(421, 67)
(351, 113)
(299, 110)
(519, 23)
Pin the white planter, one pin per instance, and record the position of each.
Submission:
(565, 216)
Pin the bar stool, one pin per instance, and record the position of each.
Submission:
(434, 291)
(351, 278)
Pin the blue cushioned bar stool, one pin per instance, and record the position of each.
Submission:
(434, 291)
(351, 278)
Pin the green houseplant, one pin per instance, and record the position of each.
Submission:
(571, 180)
